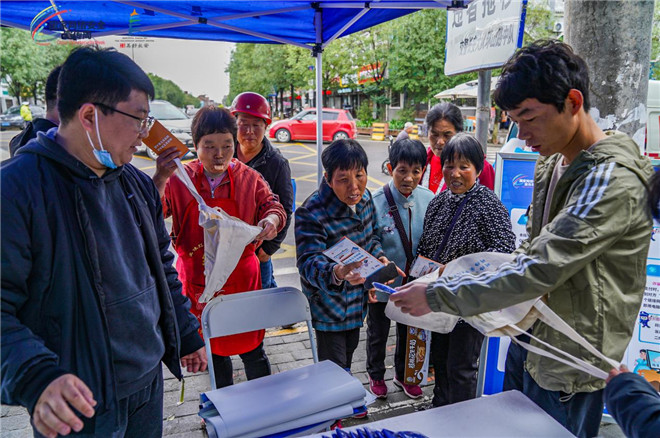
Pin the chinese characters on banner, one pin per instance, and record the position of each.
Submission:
(643, 353)
(484, 35)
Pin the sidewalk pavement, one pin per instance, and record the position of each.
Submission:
(286, 349)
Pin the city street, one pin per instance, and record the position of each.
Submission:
(287, 348)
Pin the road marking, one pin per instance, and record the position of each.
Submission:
(288, 252)
(378, 183)
(285, 271)
(295, 160)
(302, 329)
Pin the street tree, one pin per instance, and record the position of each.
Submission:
(417, 57)
(168, 90)
(614, 38)
(25, 63)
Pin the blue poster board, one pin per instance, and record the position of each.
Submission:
(514, 184)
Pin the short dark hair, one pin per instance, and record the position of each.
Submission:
(98, 75)
(545, 70)
(445, 111)
(343, 155)
(463, 145)
(212, 120)
(654, 195)
(51, 88)
(407, 151)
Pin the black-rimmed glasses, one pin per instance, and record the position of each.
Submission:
(145, 124)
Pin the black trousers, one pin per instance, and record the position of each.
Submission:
(338, 346)
(455, 357)
(378, 330)
(256, 365)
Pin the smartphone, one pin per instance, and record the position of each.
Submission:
(384, 288)
(383, 292)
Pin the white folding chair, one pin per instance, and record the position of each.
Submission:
(248, 311)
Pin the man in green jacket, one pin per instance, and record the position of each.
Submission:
(589, 234)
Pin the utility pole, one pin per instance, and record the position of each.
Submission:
(614, 38)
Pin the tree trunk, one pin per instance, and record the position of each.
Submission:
(614, 38)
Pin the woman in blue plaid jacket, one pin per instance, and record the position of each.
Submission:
(341, 207)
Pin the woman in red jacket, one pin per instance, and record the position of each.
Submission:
(241, 192)
(444, 120)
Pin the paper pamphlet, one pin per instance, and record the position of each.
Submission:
(346, 251)
(423, 266)
(160, 139)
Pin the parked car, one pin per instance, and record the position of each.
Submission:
(175, 120)
(12, 118)
(337, 124)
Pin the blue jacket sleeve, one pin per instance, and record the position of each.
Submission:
(634, 404)
(28, 367)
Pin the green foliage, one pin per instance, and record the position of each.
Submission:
(364, 115)
(168, 90)
(397, 124)
(27, 64)
(407, 114)
(539, 22)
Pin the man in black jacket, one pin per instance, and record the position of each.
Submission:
(91, 303)
(39, 124)
(253, 114)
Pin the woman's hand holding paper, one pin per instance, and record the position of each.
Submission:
(347, 272)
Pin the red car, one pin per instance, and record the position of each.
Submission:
(337, 124)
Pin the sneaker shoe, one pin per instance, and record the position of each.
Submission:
(412, 391)
(378, 388)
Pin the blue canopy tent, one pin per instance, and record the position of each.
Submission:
(308, 24)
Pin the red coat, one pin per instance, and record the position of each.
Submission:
(243, 194)
(487, 177)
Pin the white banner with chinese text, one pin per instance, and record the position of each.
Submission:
(484, 35)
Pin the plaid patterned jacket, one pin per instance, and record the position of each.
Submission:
(321, 222)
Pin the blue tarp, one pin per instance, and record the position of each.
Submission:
(256, 21)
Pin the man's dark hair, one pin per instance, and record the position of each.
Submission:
(343, 155)
(51, 88)
(465, 146)
(445, 111)
(213, 120)
(98, 75)
(545, 70)
(407, 151)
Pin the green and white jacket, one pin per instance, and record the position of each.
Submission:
(589, 260)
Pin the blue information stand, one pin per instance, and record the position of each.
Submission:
(514, 184)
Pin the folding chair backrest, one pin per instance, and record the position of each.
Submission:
(248, 311)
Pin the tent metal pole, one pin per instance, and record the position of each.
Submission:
(318, 52)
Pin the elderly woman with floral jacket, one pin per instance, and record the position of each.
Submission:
(341, 207)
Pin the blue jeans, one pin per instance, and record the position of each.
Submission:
(267, 278)
(580, 413)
